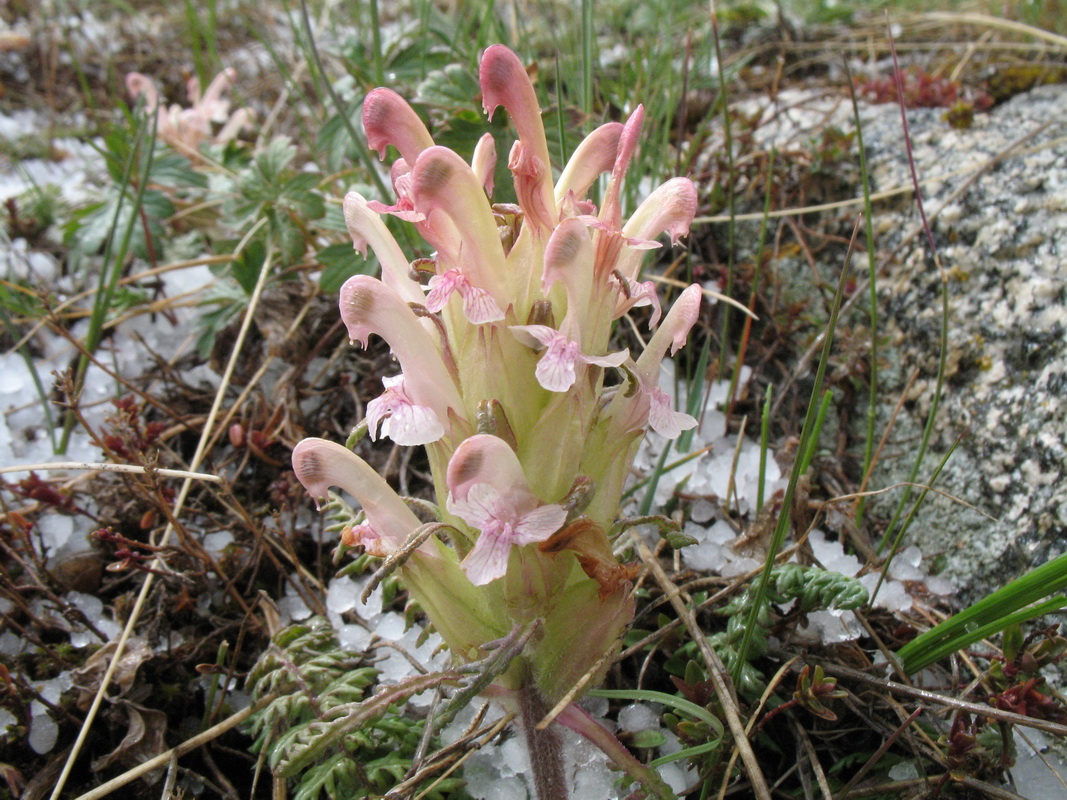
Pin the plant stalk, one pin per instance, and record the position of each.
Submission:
(544, 746)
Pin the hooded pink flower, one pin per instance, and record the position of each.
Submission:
(503, 523)
(401, 418)
(478, 305)
(556, 367)
(320, 464)
(488, 491)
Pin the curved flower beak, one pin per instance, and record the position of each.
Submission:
(213, 105)
(369, 306)
(365, 227)
(389, 120)
(569, 258)
(669, 209)
(672, 333)
(484, 458)
(444, 186)
(484, 162)
(594, 155)
(505, 83)
(139, 85)
(611, 212)
(320, 464)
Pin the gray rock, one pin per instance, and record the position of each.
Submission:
(1002, 241)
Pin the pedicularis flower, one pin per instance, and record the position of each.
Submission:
(187, 128)
(507, 377)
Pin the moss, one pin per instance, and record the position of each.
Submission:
(960, 115)
(1015, 79)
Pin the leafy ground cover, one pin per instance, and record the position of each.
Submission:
(169, 303)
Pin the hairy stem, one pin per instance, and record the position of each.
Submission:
(545, 747)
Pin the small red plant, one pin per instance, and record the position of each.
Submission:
(923, 90)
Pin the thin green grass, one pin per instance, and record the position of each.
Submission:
(731, 200)
(1012, 604)
(201, 20)
(942, 359)
(339, 107)
(910, 518)
(807, 443)
(139, 163)
(872, 289)
(764, 437)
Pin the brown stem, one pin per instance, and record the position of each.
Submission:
(544, 746)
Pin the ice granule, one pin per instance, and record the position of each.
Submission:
(341, 596)
(940, 586)
(484, 781)
(293, 609)
(43, 729)
(702, 510)
(216, 543)
(904, 771)
(740, 566)
(831, 554)
(373, 607)
(905, 566)
(55, 531)
(394, 667)
(173, 641)
(705, 556)
(676, 775)
(893, 596)
(11, 644)
(588, 767)
(390, 626)
(514, 760)
(833, 627)
(93, 609)
(638, 717)
(354, 638)
(180, 281)
(596, 706)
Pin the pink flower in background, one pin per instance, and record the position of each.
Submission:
(187, 128)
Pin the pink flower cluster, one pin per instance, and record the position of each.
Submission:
(507, 376)
(186, 128)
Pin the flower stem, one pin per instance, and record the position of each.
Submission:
(544, 746)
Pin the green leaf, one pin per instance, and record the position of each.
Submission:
(677, 539)
(247, 265)
(272, 162)
(1009, 605)
(339, 263)
(172, 169)
(451, 88)
(647, 739)
(334, 141)
(89, 227)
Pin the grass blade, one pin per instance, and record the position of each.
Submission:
(1007, 606)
